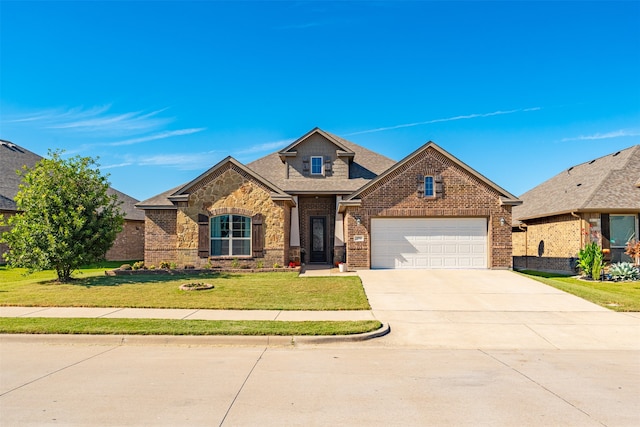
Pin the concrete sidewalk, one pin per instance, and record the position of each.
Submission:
(185, 314)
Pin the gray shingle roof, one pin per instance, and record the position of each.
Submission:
(13, 158)
(605, 184)
(366, 165)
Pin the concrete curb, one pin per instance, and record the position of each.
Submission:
(190, 340)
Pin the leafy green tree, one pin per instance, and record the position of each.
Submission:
(66, 218)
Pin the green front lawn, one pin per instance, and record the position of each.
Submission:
(618, 296)
(251, 291)
(36, 325)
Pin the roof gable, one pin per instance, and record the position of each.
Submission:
(505, 196)
(608, 183)
(342, 150)
(166, 200)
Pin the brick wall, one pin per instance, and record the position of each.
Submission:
(160, 236)
(397, 196)
(129, 243)
(317, 206)
(551, 243)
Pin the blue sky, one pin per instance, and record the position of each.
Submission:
(160, 91)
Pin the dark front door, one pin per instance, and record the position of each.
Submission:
(318, 245)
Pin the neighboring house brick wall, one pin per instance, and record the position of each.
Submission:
(550, 243)
(463, 196)
(129, 243)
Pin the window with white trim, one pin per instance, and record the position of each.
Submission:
(230, 235)
(429, 189)
(316, 165)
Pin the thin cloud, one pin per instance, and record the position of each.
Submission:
(161, 135)
(95, 120)
(447, 119)
(192, 161)
(118, 165)
(267, 146)
(614, 134)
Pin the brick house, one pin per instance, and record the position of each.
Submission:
(595, 201)
(129, 243)
(324, 199)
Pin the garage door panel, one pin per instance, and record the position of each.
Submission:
(429, 243)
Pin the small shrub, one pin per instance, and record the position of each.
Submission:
(276, 265)
(165, 265)
(138, 265)
(152, 267)
(172, 266)
(624, 271)
(208, 265)
(125, 267)
(235, 263)
(633, 250)
(260, 264)
(590, 260)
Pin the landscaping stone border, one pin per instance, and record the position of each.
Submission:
(194, 271)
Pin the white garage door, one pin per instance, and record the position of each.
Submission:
(429, 243)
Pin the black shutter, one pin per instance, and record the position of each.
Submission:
(203, 236)
(327, 163)
(257, 236)
(605, 226)
(305, 165)
(439, 186)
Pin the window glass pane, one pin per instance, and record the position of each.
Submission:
(622, 229)
(241, 247)
(316, 165)
(216, 247)
(220, 226)
(428, 186)
(241, 226)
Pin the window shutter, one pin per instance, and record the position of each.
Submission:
(420, 182)
(257, 236)
(605, 227)
(439, 186)
(305, 165)
(327, 163)
(203, 236)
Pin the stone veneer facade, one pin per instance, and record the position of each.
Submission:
(397, 195)
(172, 235)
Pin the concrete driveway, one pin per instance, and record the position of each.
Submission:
(491, 309)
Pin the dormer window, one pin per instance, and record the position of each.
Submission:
(316, 165)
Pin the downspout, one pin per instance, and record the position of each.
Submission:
(523, 227)
(573, 214)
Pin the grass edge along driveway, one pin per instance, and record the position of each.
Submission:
(277, 291)
(617, 296)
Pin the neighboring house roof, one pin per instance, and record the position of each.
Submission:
(505, 197)
(165, 200)
(606, 184)
(13, 158)
(365, 165)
